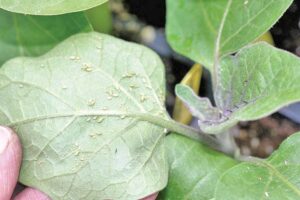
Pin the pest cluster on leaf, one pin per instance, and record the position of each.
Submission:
(89, 107)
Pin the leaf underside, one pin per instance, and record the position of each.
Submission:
(195, 26)
(25, 35)
(48, 7)
(81, 112)
(276, 178)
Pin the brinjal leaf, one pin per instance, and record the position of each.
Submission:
(48, 7)
(84, 112)
(194, 169)
(25, 35)
(254, 83)
(196, 28)
(192, 79)
(276, 178)
(199, 107)
(257, 81)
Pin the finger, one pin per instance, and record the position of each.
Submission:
(151, 197)
(10, 161)
(31, 194)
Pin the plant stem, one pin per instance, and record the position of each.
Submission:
(163, 122)
(195, 134)
(228, 143)
(184, 130)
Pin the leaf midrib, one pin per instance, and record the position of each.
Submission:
(281, 177)
(246, 24)
(216, 68)
(143, 116)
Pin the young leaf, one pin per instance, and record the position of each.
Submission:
(25, 35)
(85, 114)
(192, 79)
(49, 7)
(199, 107)
(256, 82)
(195, 28)
(276, 178)
(194, 169)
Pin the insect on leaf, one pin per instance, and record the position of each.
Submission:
(83, 112)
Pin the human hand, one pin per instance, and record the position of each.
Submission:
(10, 162)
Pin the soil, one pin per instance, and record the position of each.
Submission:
(260, 138)
(139, 21)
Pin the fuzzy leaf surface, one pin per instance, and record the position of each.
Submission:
(196, 27)
(275, 178)
(82, 112)
(48, 7)
(255, 83)
(192, 79)
(25, 35)
(199, 107)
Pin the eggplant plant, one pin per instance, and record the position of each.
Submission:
(89, 107)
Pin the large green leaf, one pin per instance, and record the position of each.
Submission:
(84, 113)
(25, 35)
(276, 178)
(48, 7)
(196, 28)
(194, 169)
(254, 83)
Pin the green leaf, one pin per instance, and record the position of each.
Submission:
(198, 28)
(192, 79)
(199, 107)
(276, 178)
(25, 35)
(84, 113)
(48, 7)
(256, 82)
(194, 169)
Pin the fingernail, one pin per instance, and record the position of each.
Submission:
(5, 136)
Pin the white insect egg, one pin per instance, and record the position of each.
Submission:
(266, 194)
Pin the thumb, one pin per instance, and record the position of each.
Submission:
(10, 161)
(31, 194)
(151, 197)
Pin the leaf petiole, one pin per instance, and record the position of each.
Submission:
(184, 130)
